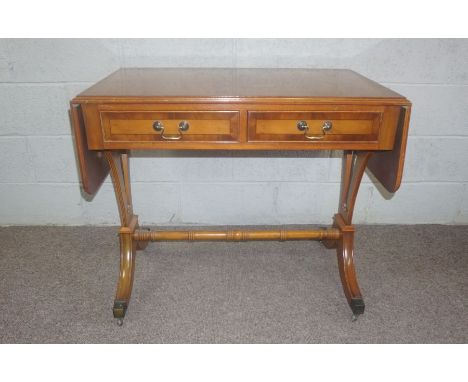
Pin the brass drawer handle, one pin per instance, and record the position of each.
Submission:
(303, 126)
(183, 126)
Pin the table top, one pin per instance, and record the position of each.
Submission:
(238, 83)
(135, 97)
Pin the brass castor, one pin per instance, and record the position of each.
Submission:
(119, 310)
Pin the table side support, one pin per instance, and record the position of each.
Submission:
(354, 164)
(340, 236)
(120, 174)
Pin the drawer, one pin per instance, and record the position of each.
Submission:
(310, 126)
(170, 126)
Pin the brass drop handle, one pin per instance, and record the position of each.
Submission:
(183, 126)
(303, 126)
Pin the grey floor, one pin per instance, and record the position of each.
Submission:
(57, 286)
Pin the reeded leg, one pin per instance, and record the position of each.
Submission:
(119, 170)
(354, 165)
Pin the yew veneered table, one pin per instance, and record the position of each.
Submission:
(239, 109)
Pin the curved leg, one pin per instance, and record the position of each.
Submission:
(119, 170)
(354, 165)
(127, 270)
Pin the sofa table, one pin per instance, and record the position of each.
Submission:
(239, 109)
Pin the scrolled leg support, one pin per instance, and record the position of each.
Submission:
(340, 236)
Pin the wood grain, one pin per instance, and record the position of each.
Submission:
(93, 167)
(387, 166)
(129, 126)
(236, 83)
(354, 126)
(137, 126)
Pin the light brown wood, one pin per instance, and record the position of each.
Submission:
(353, 168)
(125, 163)
(340, 127)
(354, 164)
(346, 267)
(145, 127)
(165, 83)
(240, 109)
(121, 186)
(387, 166)
(353, 126)
(120, 174)
(238, 235)
(350, 132)
(93, 167)
(126, 275)
(137, 126)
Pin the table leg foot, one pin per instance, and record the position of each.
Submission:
(119, 309)
(349, 280)
(126, 274)
(357, 306)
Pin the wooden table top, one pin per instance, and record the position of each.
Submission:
(136, 97)
(235, 83)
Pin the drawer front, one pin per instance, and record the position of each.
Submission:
(170, 126)
(313, 126)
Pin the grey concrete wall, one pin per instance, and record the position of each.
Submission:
(38, 175)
